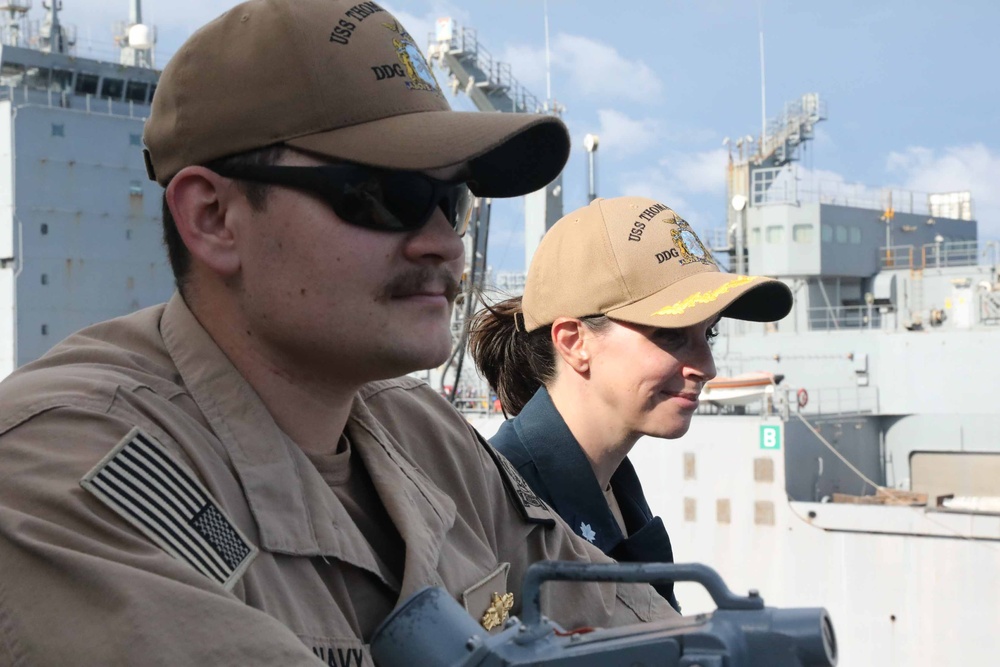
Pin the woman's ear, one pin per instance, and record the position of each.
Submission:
(570, 340)
(199, 200)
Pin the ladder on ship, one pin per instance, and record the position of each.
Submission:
(990, 308)
(916, 295)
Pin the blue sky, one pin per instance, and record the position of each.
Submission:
(910, 87)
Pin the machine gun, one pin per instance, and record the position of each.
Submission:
(432, 629)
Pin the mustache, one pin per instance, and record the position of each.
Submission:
(420, 279)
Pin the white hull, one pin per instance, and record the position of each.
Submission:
(903, 585)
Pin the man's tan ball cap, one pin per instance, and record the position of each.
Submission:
(635, 260)
(340, 78)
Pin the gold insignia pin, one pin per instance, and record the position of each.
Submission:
(498, 611)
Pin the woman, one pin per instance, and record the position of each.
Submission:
(610, 342)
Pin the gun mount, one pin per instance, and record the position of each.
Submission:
(431, 628)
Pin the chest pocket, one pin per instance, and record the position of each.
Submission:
(488, 600)
(349, 652)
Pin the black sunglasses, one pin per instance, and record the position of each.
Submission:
(380, 199)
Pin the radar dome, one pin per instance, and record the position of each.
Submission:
(140, 37)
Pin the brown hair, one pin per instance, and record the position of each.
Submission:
(256, 194)
(515, 363)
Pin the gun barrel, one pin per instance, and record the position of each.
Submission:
(430, 628)
(811, 630)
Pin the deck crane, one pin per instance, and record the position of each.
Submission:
(492, 88)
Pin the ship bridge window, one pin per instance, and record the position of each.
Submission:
(86, 84)
(827, 233)
(37, 78)
(61, 80)
(12, 74)
(755, 236)
(135, 91)
(112, 88)
(855, 233)
(841, 233)
(775, 234)
(803, 233)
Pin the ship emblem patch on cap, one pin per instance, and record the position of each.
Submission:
(691, 248)
(415, 67)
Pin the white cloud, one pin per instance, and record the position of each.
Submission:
(598, 70)
(702, 172)
(974, 167)
(693, 184)
(591, 69)
(655, 184)
(621, 135)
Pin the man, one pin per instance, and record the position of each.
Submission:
(230, 478)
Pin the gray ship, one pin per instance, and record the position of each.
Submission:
(849, 455)
(850, 460)
(79, 220)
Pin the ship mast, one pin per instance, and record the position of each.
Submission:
(15, 12)
(52, 36)
(135, 38)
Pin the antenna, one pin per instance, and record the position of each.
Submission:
(548, 57)
(763, 93)
(52, 36)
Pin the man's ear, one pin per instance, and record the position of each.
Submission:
(200, 201)
(570, 342)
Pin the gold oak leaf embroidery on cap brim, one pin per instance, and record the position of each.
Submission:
(498, 611)
(703, 297)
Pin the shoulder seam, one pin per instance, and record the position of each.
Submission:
(32, 410)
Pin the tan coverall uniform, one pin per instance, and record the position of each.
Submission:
(80, 584)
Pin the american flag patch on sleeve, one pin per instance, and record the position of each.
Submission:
(141, 481)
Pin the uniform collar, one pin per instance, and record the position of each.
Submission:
(295, 510)
(566, 473)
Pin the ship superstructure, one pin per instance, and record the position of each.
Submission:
(867, 478)
(79, 219)
(867, 481)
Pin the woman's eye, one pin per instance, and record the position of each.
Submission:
(712, 333)
(669, 338)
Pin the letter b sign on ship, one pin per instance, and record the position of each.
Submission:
(770, 437)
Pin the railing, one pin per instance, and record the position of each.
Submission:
(783, 185)
(950, 253)
(511, 284)
(66, 100)
(465, 44)
(807, 400)
(831, 400)
(938, 255)
(844, 317)
(898, 257)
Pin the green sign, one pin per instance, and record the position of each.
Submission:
(770, 437)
